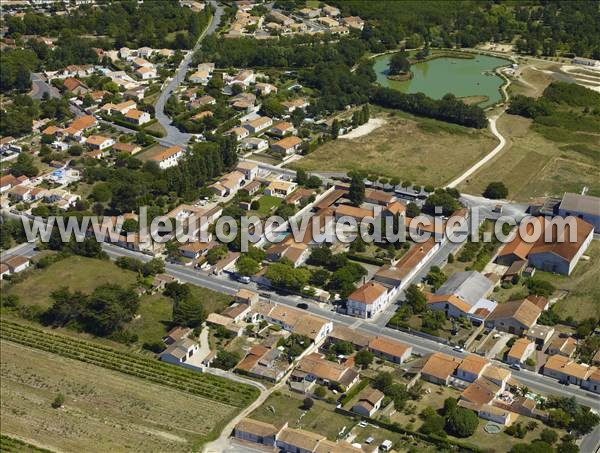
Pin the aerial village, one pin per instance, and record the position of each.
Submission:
(384, 338)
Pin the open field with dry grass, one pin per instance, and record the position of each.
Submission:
(103, 410)
(85, 274)
(420, 150)
(533, 166)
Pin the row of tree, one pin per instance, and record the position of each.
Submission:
(449, 108)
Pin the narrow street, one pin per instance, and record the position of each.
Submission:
(174, 136)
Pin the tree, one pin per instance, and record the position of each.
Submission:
(382, 381)
(301, 177)
(584, 422)
(450, 405)
(188, 311)
(356, 193)
(272, 108)
(24, 166)
(567, 446)
(412, 210)
(558, 418)
(496, 190)
(320, 391)
(462, 422)
(307, 404)
(58, 401)
(101, 192)
(399, 63)
(343, 347)
(247, 266)
(416, 299)
(364, 358)
(226, 360)
(549, 436)
(441, 199)
(436, 277)
(335, 129)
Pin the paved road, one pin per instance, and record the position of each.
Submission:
(40, 86)
(420, 345)
(591, 442)
(174, 136)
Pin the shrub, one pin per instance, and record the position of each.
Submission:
(58, 401)
(308, 403)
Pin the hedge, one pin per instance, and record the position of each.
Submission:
(366, 259)
(354, 391)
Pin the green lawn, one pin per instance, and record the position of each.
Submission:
(268, 205)
(284, 405)
(156, 127)
(76, 272)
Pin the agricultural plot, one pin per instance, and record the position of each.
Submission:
(109, 410)
(204, 385)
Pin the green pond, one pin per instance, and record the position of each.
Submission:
(460, 76)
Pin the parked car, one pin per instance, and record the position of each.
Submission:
(459, 348)
(302, 305)
(516, 366)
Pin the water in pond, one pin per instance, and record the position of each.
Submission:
(459, 76)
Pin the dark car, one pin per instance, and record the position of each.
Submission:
(302, 305)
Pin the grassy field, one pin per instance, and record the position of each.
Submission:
(583, 292)
(85, 274)
(583, 300)
(104, 409)
(285, 406)
(157, 128)
(267, 205)
(150, 152)
(532, 165)
(420, 150)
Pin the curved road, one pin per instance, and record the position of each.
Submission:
(174, 136)
(494, 131)
(487, 157)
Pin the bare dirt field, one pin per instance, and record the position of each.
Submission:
(103, 410)
(419, 150)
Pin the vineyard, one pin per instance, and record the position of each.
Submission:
(11, 445)
(204, 385)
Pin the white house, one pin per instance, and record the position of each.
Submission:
(280, 188)
(146, 73)
(99, 142)
(520, 351)
(471, 368)
(389, 349)
(238, 132)
(183, 353)
(368, 300)
(249, 169)
(202, 77)
(169, 157)
(369, 402)
(258, 124)
(137, 117)
(288, 145)
(16, 264)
